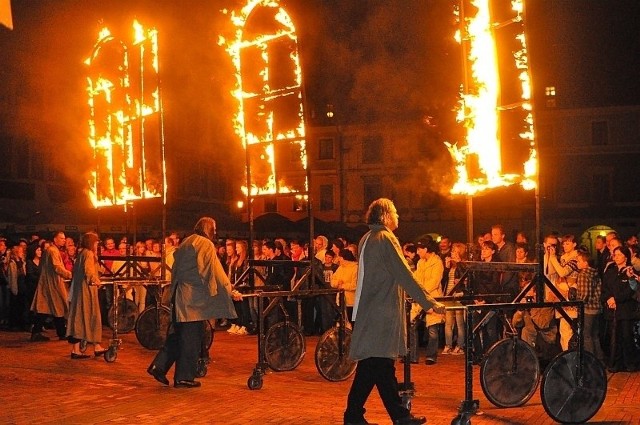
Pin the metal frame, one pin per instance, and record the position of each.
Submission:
(470, 406)
(276, 298)
(130, 273)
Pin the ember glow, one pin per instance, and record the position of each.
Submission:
(125, 123)
(270, 116)
(479, 108)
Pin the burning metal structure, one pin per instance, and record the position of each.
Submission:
(491, 115)
(126, 131)
(270, 116)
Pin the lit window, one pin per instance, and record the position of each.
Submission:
(550, 93)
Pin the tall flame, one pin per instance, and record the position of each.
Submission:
(265, 102)
(478, 109)
(128, 160)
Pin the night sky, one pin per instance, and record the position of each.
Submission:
(373, 59)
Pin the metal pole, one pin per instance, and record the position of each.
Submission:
(470, 219)
(249, 212)
(538, 205)
(341, 176)
(163, 154)
(465, 89)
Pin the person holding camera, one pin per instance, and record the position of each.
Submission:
(566, 282)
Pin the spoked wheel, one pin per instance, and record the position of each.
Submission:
(568, 399)
(331, 365)
(509, 373)
(151, 327)
(284, 346)
(127, 315)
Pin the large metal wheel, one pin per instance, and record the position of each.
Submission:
(127, 315)
(151, 327)
(331, 365)
(509, 373)
(567, 398)
(284, 346)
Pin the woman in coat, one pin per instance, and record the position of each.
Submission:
(618, 286)
(428, 273)
(85, 321)
(345, 277)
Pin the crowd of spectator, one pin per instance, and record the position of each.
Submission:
(604, 279)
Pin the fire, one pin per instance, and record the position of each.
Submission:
(128, 158)
(479, 110)
(268, 88)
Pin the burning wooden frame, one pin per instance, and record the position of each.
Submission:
(125, 123)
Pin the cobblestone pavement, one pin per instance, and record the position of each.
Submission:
(41, 384)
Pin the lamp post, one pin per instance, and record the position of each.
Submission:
(339, 147)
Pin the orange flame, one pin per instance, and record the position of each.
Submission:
(123, 169)
(478, 110)
(264, 124)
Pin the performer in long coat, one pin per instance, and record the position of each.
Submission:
(201, 291)
(379, 330)
(85, 320)
(51, 293)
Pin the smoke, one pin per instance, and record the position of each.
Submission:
(374, 60)
(388, 62)
(44, 78)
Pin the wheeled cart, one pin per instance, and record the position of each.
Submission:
(574, 384)
(281, 347)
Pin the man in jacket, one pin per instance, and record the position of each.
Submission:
(51, 298)
(201, 291)
(379, 333)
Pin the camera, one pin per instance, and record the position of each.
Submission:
(631, 273)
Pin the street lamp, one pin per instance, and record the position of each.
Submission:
(341, 176)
